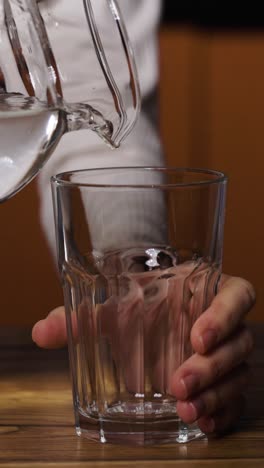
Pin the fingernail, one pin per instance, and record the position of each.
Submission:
(190, 384)
(208, 339)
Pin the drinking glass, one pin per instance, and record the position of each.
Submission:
(140, 254)
(64, 66)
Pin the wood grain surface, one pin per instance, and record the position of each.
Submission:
(37, 427)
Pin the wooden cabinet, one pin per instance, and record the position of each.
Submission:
(29, 285)
(212, 115)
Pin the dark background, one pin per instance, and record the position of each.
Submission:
(216, 14)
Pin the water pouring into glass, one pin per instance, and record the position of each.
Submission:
(47, 91)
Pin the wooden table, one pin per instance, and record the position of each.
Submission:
(36, 421)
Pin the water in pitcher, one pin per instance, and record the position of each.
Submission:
(29, 132)
(130, 317)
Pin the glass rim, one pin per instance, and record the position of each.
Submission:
(218, 177)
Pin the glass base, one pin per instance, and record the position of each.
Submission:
(163, 430)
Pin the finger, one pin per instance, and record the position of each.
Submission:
(202, 371)
(225, 419)
(234, 300)
(51, 332)
(216, 397)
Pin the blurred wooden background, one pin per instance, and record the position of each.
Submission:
(212, 115)
(212, 105)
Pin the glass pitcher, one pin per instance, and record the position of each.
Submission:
(64, 66)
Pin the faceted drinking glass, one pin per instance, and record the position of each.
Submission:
(140, 255)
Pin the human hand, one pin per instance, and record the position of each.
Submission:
(209, 386)
(217, 372)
